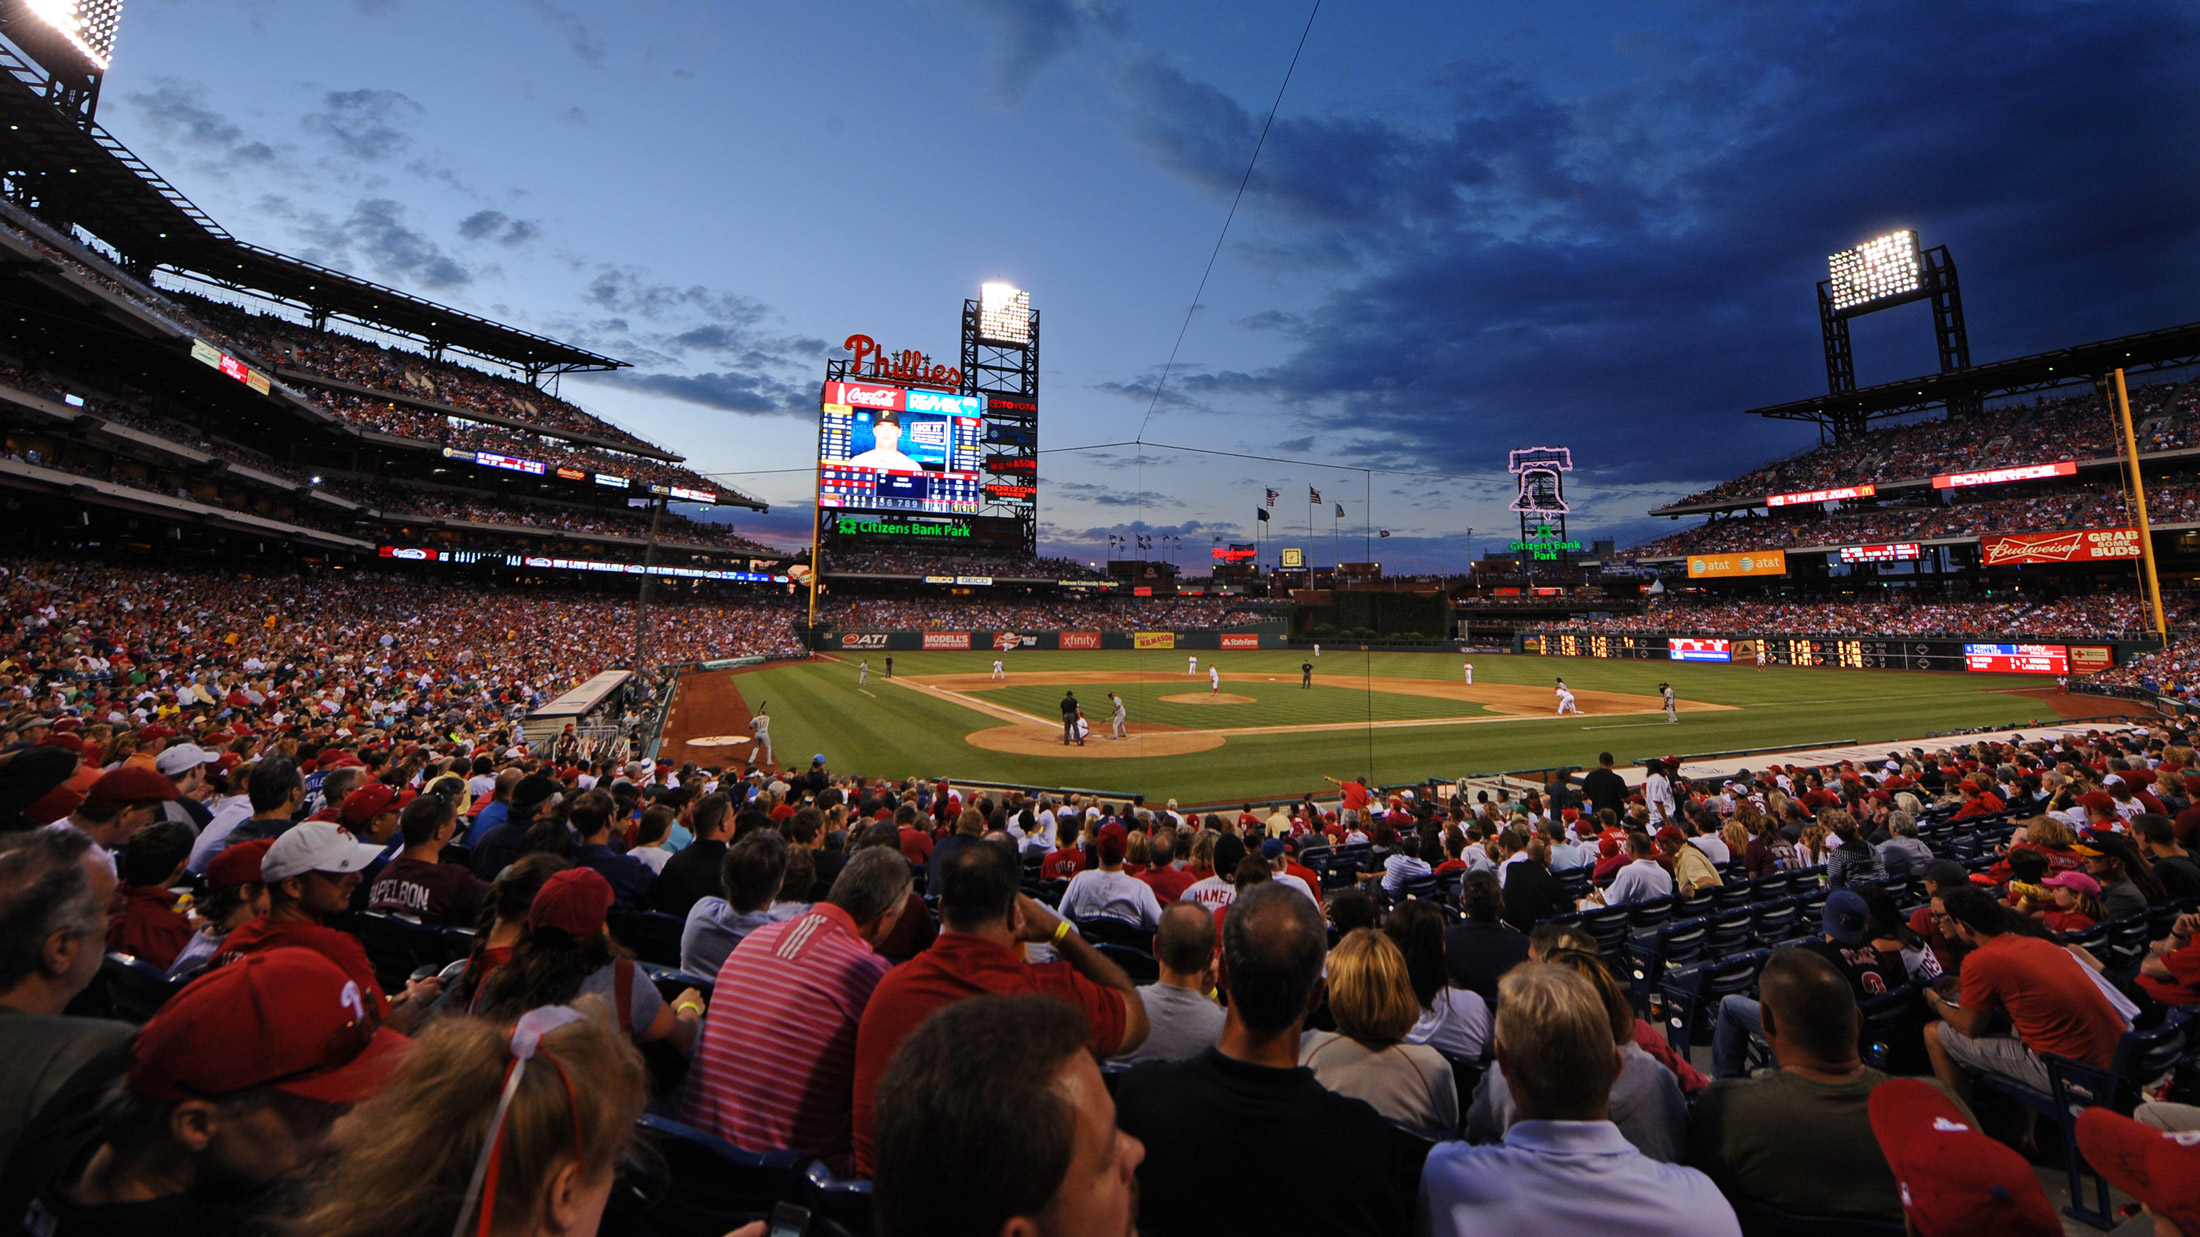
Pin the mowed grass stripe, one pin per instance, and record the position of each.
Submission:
(898, 732)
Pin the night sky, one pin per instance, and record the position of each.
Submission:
(1473, 227)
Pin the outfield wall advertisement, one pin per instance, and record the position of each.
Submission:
(1850, 652)
(1075, 641)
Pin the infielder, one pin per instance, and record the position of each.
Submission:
(1214, 680)
(1566, 700)
(863, 673)
(999, 671)
(1470, 674)
(1672, 711)
(1121, 731)
(761, 726)
(1193, 666)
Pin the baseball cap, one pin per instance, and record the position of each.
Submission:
(1272, 848)
(1671, 834)
(1946, 873)
(2160, 1168)
(533, 789)
(284, 1018)
(1115, 840)
(1845, 917)
(370, 801)
(2075, 881)
(182, 758)
(1954, 1181)
(237, 865)
(574, 902)
(315, 846)
(815, 760)
(127, 785)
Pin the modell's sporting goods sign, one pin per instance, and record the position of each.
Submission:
(2085, 545)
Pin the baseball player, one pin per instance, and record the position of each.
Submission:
(1121, 731)
(1566, 699)
(1470, 674)
(761, 727)
(999, 671)
(1192, 667)
(1760, 654)
(863, 673)
(1672, 711)
(1214, 680)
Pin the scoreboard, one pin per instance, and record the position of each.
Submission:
(1842, 652)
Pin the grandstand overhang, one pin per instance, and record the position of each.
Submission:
(73, 173)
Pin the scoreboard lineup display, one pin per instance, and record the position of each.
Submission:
(883, 448)
(1842, 652)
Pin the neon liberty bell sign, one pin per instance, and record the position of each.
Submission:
(1542, 501)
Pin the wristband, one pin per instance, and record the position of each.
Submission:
(685, 1006)
(1061, 930)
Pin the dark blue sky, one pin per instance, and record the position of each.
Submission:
(1474, 227)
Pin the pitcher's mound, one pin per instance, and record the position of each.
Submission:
(1208, 698)
(1144, 741)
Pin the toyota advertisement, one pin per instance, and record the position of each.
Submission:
(2018, 658)
(1684, 649)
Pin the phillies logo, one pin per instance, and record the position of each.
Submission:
(908, 366)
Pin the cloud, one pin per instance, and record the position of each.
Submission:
(1626, 267)
(579, 39)
(1034, 33)
(177, 111)
(366, 124)
(1111, 496)
(495, 225)
(707, 346)
(727, 391)
(374, 235)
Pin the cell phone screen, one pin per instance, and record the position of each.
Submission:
(789, 1220)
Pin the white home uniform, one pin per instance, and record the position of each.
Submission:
(1566, 701)
(1214, 680)
(1192, 666)
(1470, 674)
(1760, 655)
(999, 672)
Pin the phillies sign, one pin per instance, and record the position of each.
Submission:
(907, 366)
(2085, 545)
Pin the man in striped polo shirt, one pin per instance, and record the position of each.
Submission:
(775, 1068)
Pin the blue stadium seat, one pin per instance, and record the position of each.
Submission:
(135, 990)
(843, 1200)
(1136, 963)
(710, 1184)
(1692, 993)
(652, 937)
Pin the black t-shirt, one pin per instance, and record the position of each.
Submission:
(689, 877)
(2179, 875)
(1531, 894)
(1870, 973)
(1478, 954)
(1604, 789)
(1190, 1112)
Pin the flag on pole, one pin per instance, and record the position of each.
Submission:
(1272, 497)
(1340, 511)
(1262, 512)
(1313, 496)
(1383, 532)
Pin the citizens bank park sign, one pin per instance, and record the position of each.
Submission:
(2085, 545)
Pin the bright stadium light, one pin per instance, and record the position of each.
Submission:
(88, 25)
(1004, 313)
(1881, 268)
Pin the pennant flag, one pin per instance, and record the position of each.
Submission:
(1313, 496)
(1272, 497)
(1383, 532)
(1340, 511)
(1262, 512)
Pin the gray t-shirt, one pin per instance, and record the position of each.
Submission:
(642, 1005)
(1184, 1023)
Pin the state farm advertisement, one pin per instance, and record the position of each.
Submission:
(1080, 639)
(947, 640)
(2084, 545)
(1240, 640)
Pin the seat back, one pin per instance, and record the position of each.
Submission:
(1731, 930)
(1650, 912)
(652, 937)
(1106, 929)
(1136, 963)
(135, 990)
(842, 1200)
(1608, 925)
(708, 1180)
(1734, 893)
(1777, 921)
(396, 947)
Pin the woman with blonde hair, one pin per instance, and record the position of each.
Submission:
(1810, 849)
(1366, 1057)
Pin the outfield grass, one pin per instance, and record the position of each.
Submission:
(896, 731)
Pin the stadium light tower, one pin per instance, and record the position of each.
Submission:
(1882, 273)
(1000, 363)
(72, 40)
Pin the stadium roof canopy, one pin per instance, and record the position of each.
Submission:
(73, 172)
(1843, 415)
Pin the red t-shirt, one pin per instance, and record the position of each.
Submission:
(146, 925)
(916, 845)
(1062, 864)
(1355, 796)
(342, 948)
(2183, 986)
(2055, 1007)
(1168, 883)
(960, 966)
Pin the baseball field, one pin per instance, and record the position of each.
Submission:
(1396, 717)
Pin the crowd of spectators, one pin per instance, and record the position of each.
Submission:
(852, 559)
(2047, 430)
(2097, 616)
(1012, 614)
(918, 985)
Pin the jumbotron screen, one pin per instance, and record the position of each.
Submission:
(2018, 658)
(885, 448)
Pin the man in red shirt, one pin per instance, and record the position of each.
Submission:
(145, 922)
(310, 873)
(2171, 973)
(1355, 796)
(1066, 863)
(984, 925)
(916, 844)
(2053, 1003)
(1168, 880)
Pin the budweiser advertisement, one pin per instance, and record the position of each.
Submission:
(1240, 640)
(1821, 496)
(2083, 545)
(1080, 640)
(2017, 658)
(1755, 563)
(1996, 476)
(947, 640)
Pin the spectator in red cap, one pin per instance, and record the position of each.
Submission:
(232, 896)
(232, 1087)
(418, 882)
(568, 953)
(2160, 1168)
(370, 814)
(53, 916)
(119, 804)
(1953, 1180)
(310, 873)
(145, 922)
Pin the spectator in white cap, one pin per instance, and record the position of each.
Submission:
(186, 764)
(310, 873)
